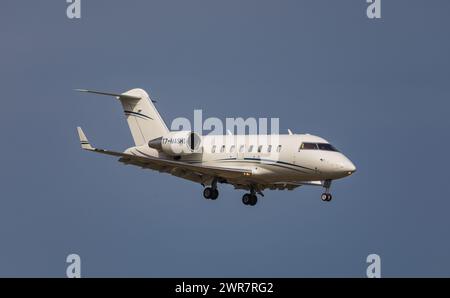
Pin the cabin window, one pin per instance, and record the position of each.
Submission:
(279, 148)
(269, 148)
(326, 147)
(213, 149)
(308, 146)
(250, 148)
(260, 148)
(222, 149)
(242, 149)
(232, 149)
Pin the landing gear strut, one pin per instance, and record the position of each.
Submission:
(326, 196)
(211, 192)
(250, 198)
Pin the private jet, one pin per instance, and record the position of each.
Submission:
(252, 163)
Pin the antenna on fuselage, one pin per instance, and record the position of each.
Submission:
(290, 132)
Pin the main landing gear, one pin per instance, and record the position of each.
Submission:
(250, 199)
(326, 196)
(211, 193)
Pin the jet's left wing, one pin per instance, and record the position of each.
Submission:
(169, 165)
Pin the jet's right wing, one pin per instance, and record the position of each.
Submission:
(292, 185)
(168, 165)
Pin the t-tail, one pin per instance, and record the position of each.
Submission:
(143, 119)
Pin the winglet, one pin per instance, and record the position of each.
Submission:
(83, 140)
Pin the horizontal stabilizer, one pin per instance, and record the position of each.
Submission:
(119, 96)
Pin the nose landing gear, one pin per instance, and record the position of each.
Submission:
(326, 196)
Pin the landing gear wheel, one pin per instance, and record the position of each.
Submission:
(207, 192)
(210, 193)
(326, 197)
(246, 199)
(214, 194)
(253, 200)
(249, 199)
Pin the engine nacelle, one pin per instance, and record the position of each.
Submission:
(177, 143)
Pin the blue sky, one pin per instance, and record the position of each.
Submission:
(377, 89)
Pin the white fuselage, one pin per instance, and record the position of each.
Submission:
(271, 158)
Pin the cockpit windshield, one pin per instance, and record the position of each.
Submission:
(310, 146)
(327, 147)
(317, 146)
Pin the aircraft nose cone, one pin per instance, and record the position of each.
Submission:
(349, 167)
